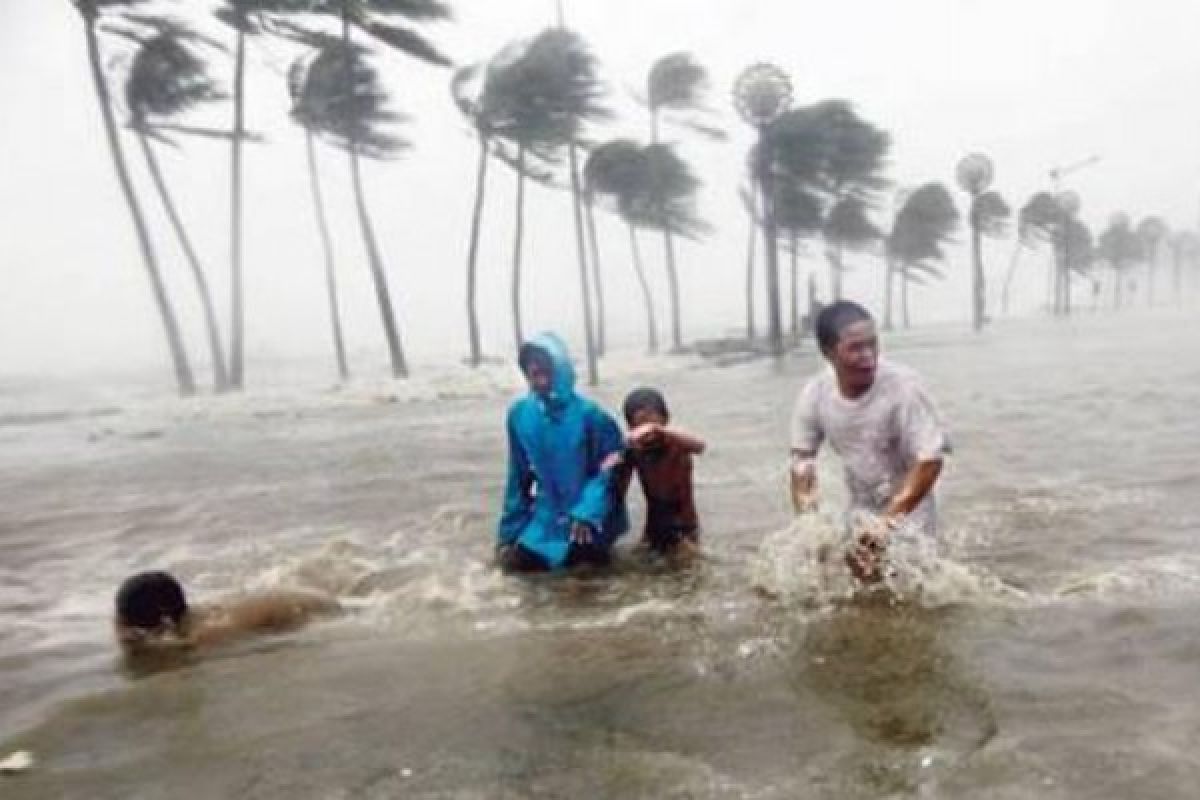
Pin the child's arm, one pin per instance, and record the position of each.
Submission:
(688, 441)
(646, 435)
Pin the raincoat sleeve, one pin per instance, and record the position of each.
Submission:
(518, 489)
(605, 444)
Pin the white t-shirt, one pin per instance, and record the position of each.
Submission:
(879, 435)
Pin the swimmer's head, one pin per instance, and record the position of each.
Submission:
(150, 603)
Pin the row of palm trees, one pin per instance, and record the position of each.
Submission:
(337, 96)
(530, 108)
(912, 249)
(539, 108)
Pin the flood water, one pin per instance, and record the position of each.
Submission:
(1057, 656)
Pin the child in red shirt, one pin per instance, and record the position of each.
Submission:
(662, 458)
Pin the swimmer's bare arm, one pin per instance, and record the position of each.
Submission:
(803, 479)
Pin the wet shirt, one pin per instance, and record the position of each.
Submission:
(665, 473)
(879, 435)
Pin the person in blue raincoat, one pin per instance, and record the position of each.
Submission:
(560, 504)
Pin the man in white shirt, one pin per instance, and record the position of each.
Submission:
(878, 418)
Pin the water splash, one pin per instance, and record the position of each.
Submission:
(805, 564)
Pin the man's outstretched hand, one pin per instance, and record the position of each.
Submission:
(581, 532)
(865, 558)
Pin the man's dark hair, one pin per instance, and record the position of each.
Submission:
(144, 599)
(644, 397)
(834, 318)
(534, 354)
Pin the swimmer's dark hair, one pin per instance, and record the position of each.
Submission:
(146, 598)
(834, 318)
(644, 397)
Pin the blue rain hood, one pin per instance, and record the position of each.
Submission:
(558, 445)
(562, 384)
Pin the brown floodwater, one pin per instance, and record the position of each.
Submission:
(1053, 652)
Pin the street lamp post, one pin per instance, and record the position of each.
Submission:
(761, 93)
(974, 174)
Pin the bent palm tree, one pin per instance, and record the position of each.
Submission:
(1120, 247)
(90, 11)
(749, 197)
(847, 226)
(669, 205)
(989, 215)
(467, 90)
(356, 120)
(1185, 250)
(676, 90)
(925, 222)
(1153, 232)
(617, 168)
(168, 78)
(558, 93)
(306, 106)
(525, 130)
(1037, 222)
(798, 214)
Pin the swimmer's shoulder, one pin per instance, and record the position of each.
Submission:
(267, 611)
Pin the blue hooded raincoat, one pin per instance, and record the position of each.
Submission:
(557, 443)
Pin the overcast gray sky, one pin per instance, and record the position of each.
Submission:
(1034, 83)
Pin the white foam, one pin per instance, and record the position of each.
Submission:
(804, 564)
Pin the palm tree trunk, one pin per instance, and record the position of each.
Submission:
(378, 274)
(220, 376)
(889, 277)
(1177, 275)
(1008, 277)
(648, 299)
(374, 258)
(811, 322)
(236, 343)
(335, 316)
(581, 251)
(1065, 270)
(518, 234)
(795, 270)
(673, 288)
(834, 256)
(771, 245)
(473, 253)
(594, 247)
(904, 299)
(1151, 268)
(977, 287)
(669, 252)
(751, 333)
(179, 360)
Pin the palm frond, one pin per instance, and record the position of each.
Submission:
(847, 224)
(342, 99)
(409, 42)
(1038, 219)
(168, 78)
(676, 81)
(926, 221)
(990, 213)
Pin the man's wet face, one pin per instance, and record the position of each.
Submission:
(540, 375)
(856, 355)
